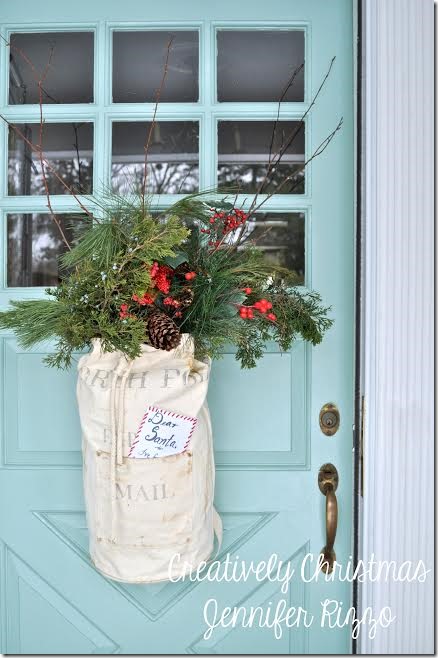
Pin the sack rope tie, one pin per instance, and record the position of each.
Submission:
(122, 370)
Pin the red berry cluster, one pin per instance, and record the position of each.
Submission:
(124, 311)
(246, 313)
(144, 300)
(225, 223)
(234, 220)
(262, 306)
(170, 301)
(161, 276)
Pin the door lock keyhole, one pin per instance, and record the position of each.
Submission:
(329, 419)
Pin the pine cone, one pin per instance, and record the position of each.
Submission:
(163, 332)
(182, 270)
(185, 297)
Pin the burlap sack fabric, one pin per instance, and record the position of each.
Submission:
(141, 512)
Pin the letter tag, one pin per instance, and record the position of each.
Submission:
(162, 433)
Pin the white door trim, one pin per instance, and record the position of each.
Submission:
(397, 310)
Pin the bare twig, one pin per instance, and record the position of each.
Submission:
(290, 140)
(38, 149)
(276, 159)
(317, 152)
(23, 55)
(280, 101)
(76, 147)
(151, 128)
(40, 80)
(40, 152)
(47, 164)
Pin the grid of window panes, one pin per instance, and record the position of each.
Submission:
(221, 131)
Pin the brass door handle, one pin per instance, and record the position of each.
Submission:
(328, 480)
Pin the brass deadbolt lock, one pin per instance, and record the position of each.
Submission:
(329, 419)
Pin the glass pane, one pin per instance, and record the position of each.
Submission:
(138, 66)
(68, 147)
(281, 237)
(67, 59)
(173, 158)
(243, 158)
(257, 65)
(34, 246)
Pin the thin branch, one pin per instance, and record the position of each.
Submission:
(255, 240)
(47, 164)
(317, 152)
(183, 180)
(151, 128)
(40, 152)
(281, 99)
(290, 140)
(40, 79)
(30, 64)
(76, 147)
(276, 159)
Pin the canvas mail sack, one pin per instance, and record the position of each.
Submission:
(143, 512)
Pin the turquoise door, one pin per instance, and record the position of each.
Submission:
(227, 65)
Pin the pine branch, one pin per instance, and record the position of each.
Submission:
(33, 321)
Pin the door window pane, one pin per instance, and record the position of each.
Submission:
(68, 147)
(138, 66)
(67, 58)
(256, 65)
(173, 158)
(281, 236)
(34, 246)
(244, 155)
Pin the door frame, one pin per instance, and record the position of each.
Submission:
(395, 313)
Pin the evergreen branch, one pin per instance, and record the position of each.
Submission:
(33, 321)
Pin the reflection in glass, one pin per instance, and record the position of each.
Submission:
(64, 58)
(138, 64)
(173, 157)
(34, 246)
(68, 147)
(281, 236)
(244, 151)
(256, 65)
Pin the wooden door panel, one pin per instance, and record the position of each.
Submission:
(261, 431)
(40, 418)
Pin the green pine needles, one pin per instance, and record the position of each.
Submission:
(191, 267)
